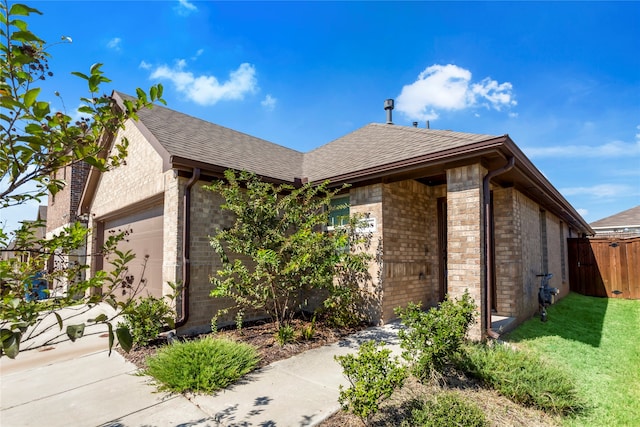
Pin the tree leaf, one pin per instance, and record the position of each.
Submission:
(10, 343)
(101, 318)
(79, 74)
(124, 338)
(58, 318)
(75, 331)
(111, 337)
(21, 9)
(31, 96)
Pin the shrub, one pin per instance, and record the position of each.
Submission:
(373, 376)
(146, 318)
(308, 331)
(446, 409)
(522, 377)
(203, 366)
(285, 334)
(434, 338)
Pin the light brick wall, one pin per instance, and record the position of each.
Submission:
(465, 244)
(139, 179)
(410, 244)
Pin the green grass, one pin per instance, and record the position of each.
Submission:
(203, 366)
(524, 377)
(596, 341)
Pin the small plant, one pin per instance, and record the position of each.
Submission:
(285, 334)
(146, 318)
(308, 331)
(522, 377)
(373, 376)
(434, 338)
(203, 366)
(446, 409)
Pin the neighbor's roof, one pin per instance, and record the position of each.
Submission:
(628, 218)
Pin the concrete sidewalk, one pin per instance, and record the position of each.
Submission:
(78, 384)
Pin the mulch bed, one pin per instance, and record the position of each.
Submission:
(259, 334)
(500, 411)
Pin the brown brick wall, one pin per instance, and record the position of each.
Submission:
(508, 251)
(368, 201)
(410, 245)
(59, 205)
(465, 256)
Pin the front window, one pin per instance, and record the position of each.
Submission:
(339, 215)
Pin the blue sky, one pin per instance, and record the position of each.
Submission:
(562, 79)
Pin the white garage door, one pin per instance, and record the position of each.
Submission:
(145, 240)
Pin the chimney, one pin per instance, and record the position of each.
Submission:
(388, 107)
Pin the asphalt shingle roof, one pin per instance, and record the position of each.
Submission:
(198, 140)
(380, 144)
(624, 218)
(371, 146)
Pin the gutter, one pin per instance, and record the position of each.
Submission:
(488, 242)
(186, 243)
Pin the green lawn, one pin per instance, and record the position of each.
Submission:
(597, 340)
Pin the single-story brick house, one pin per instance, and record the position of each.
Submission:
(428, 194)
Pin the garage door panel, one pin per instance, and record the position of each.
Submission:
(144, 239)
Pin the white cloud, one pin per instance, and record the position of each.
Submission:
(114, 43)
(448, 87)
(598, 191)
(185, 7)
(206, 89)
(610, 149)
(144, 65)
(582, 212)
(269, 102)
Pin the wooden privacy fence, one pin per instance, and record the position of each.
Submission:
(605, 267)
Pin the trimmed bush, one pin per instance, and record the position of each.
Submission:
(433, 338)
(373, 376)
(446, 409)
(201, 366)
(522, 377)
(146, 318)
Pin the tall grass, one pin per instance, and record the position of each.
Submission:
(597, 342)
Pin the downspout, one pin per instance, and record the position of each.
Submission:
(186, 243)
(488, 240)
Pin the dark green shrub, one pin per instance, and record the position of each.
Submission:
(146, 318)
(203, 366)
(522, 377)
(433, 338)
(373, 376)
(446, 409)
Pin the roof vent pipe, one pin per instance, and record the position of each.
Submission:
(428, 127)
(388, 107)
(415, 124)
